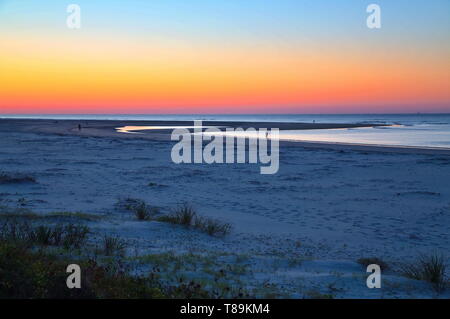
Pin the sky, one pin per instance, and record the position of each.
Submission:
(229, 56)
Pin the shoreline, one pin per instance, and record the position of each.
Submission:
(107, 129)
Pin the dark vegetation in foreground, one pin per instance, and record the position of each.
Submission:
(67, 236)
(34, 258)
(184, 215)
(430, 268)
(35, 251)
(30, 273)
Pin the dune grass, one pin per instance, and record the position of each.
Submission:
(67, 236)
(182, 215)
(140, 208)
(212, 227)
(186, 215)
(143, 212)
(430, 268)
(113, 246)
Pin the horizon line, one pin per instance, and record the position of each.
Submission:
(340, 113)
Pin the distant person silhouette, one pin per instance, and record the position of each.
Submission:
(79, 127)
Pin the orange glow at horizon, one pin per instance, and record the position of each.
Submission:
(55, 75)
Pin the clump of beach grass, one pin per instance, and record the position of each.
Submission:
(16, 231)
(186, 215)
(143, 211)
(182, 215)
(112, 245)
(67, 236)
(47, 236)
(74, 235)
(140, 208)
(212, 227)
(430, 268)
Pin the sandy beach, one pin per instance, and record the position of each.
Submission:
(295, 234)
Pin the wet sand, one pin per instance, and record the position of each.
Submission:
(105, 127)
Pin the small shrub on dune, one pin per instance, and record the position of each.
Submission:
(47, 236)
(74, 236)
(185, 215)
(212, 227)
(141, 209)
(143, 212)
(113, 246)
(429, 268)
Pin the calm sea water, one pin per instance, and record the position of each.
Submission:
(425, 130)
